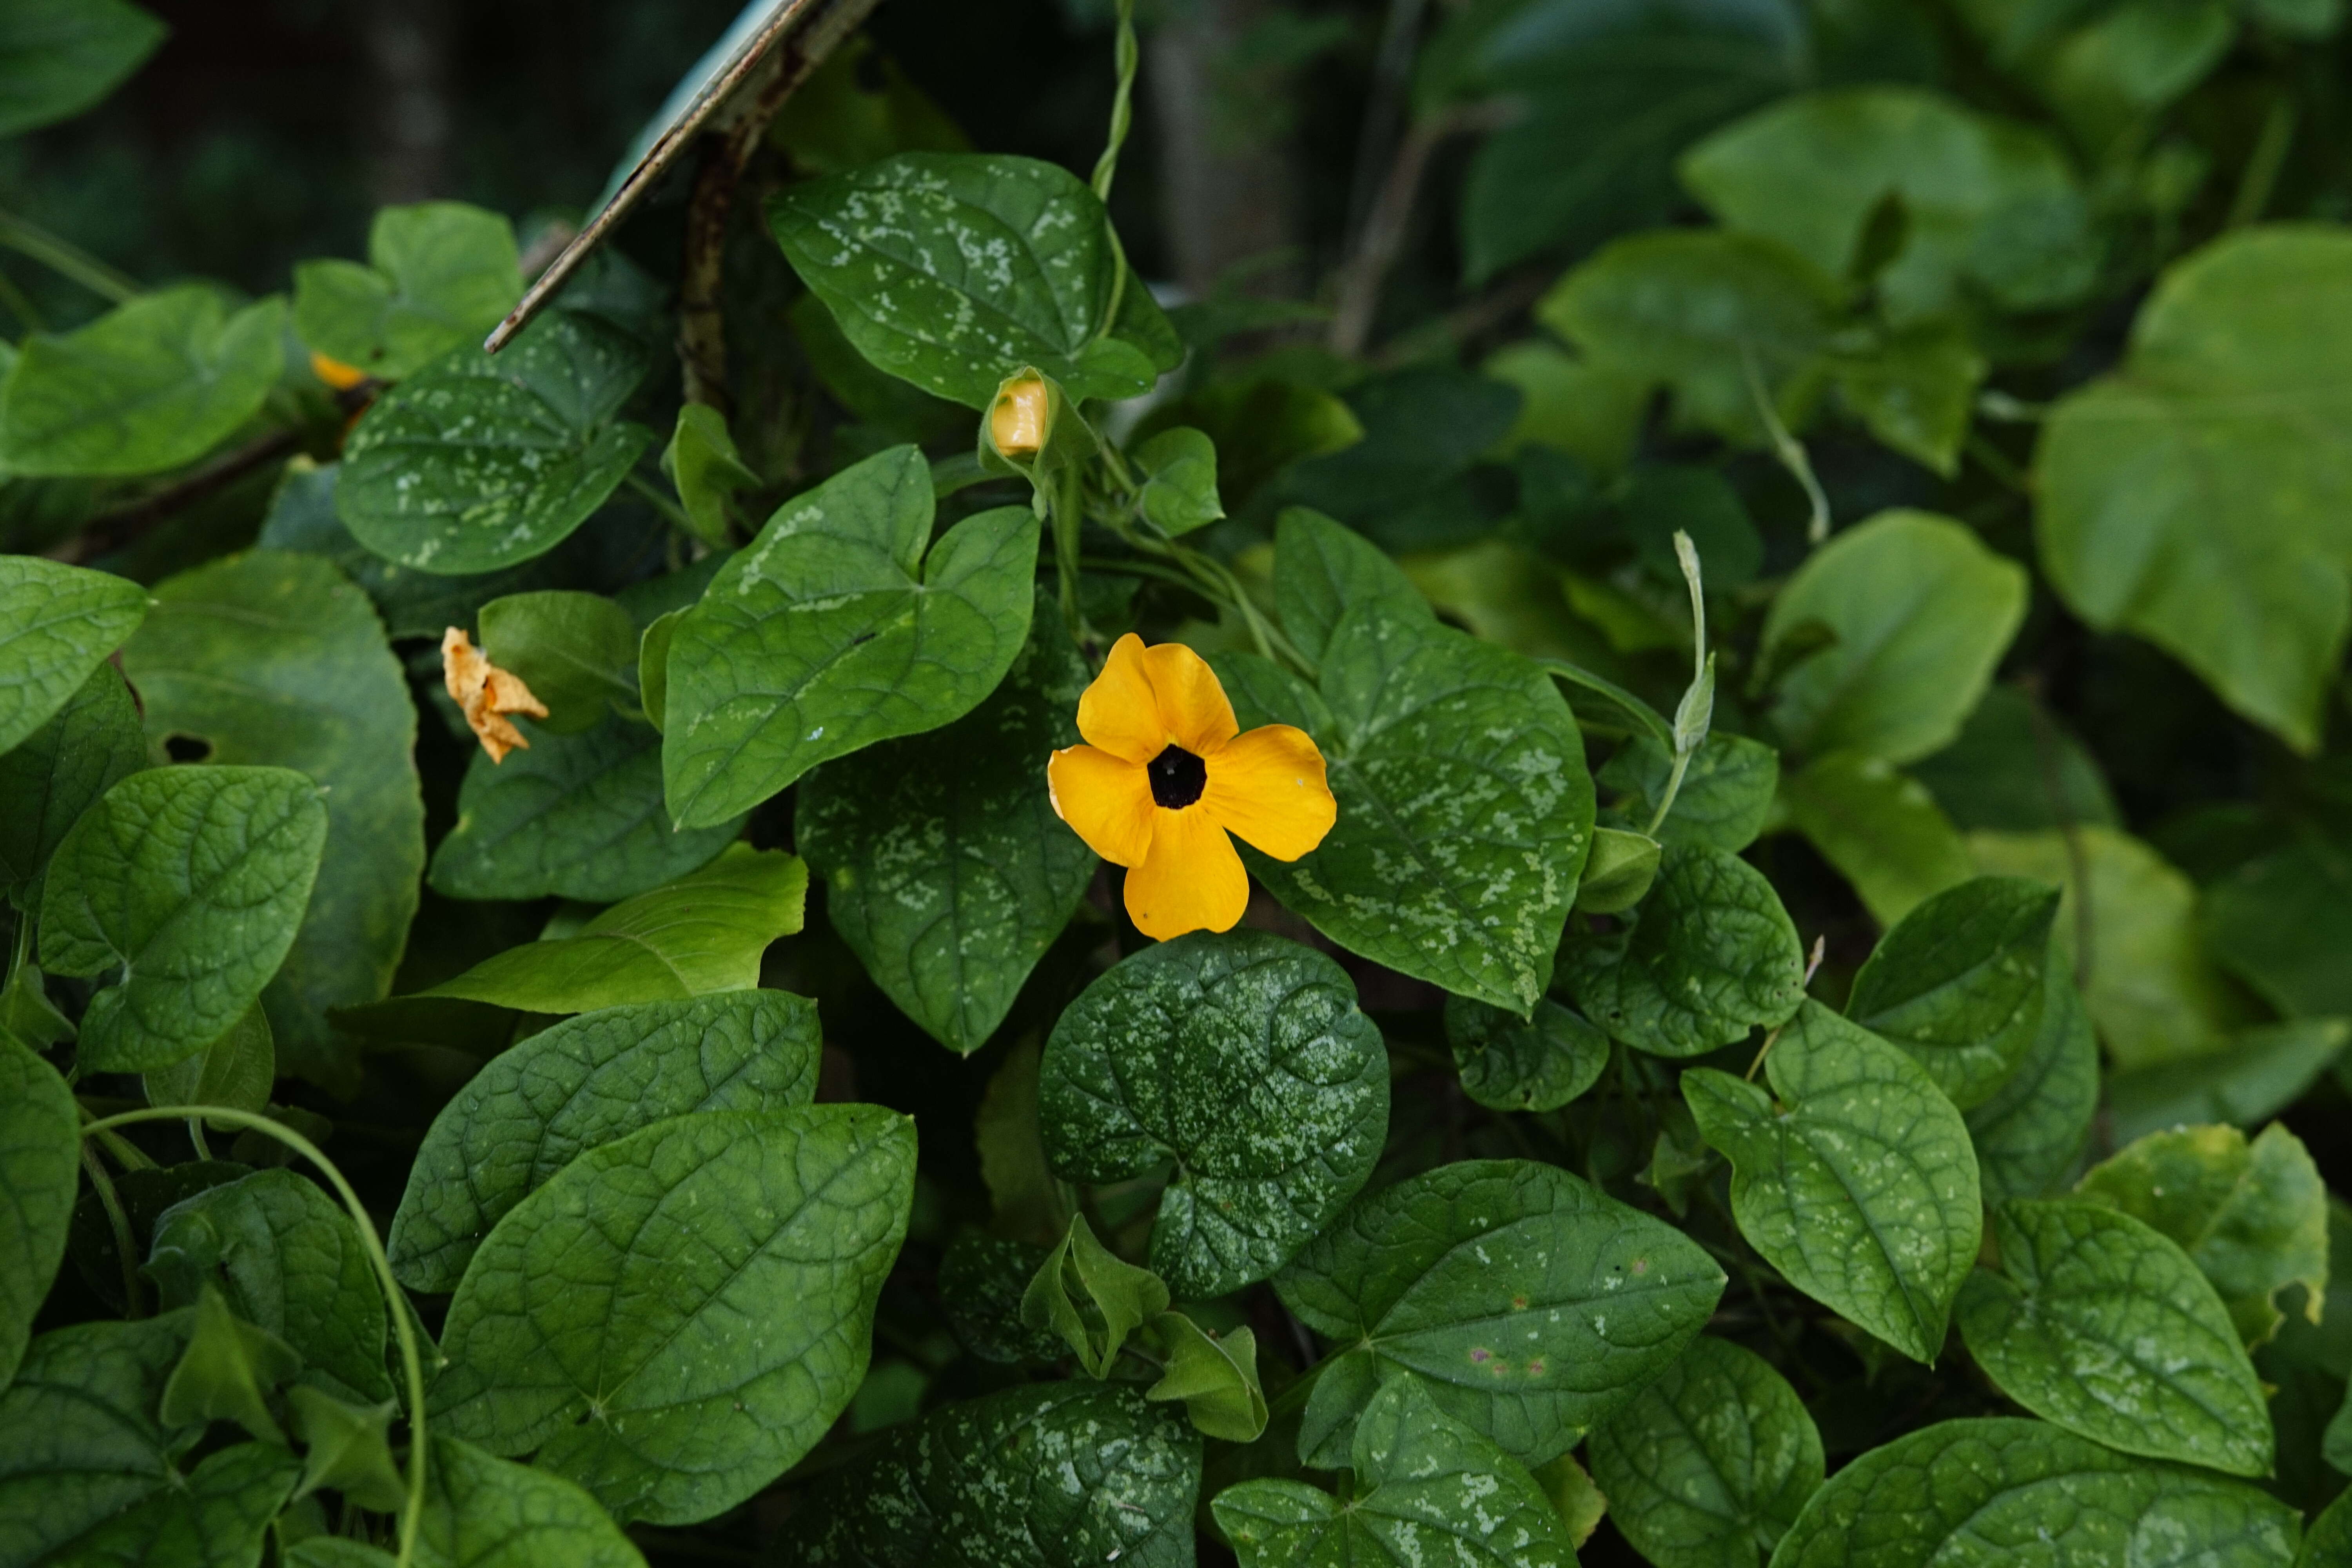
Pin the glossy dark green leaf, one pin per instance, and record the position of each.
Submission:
(1465, 811)
(290, 1261)
(1958, 983)
(1089, 1298)
(80, 1440)
(1710, 955)
(574, 816)
(228, 1372)
(579, 1085)
(482, 1511)
(218, 1517)
(1056, 1475)
(149, 386)
(1709, 1464)
(1428, 1488)
(946, 869)
(982, 1280)
(143, 1197)
(40, 1165)
(235, 1071)
(478, 462)
(59, 57)
(1919, 611)
(2002, 1490)
(2186, 496)
(834, 629)
(1853, 1177)
(57, 622)
(953, 270)
(2253, 1215)
(1725, 794)
(2032, 1129)
(676, 1317)
(58, 772)
(275, 658)
(1529, 1304)
(703, 933)
(2100, 1324)
(1321, 568)
(439, 275)
(577, 652)
(1618, 873)
(191, 883)
(1509, 1063)
(1242, 1058)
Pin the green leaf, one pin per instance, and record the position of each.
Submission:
(702, 462)
(28, 1017)
(1690, 308)
(574, 816)
(832, 630)
(273, 659)
(477, 463)
(58, 771)
(1988, 207)
(2009, 1490)
(1465, 811)
(1215, 1376)
(1243, 1059)
(1261, 424)
(1709, 1466)
(344, 1446)
(1322, 567)
(1884, 832)
(1709, 955)
(1528, 1303)
(1181, 493)
(80, 1440)
(579, 1085)
(238, 1070)
(228, 1372)
(2252, 1215)
(439, 276)
(982, 1282)
(2031, 1130)
(1618, 873)
(2153, 993)
(59, 57)
(40, 1165)
(653, 668)
(2195, 496)
(1915, 390)
(2278, 924)
(1920, 612)
(482, 1511)
(702, 933)
(291, 1262)
(2246, 1080)
(191, 882)
(1957, 983)
(2328, 1543)
(149, 386)
(953, 270)
(2098, 1323)
(1054, 1475)
(218, 1517)
(577, 652)
(1611, 95)
(57, 623)
(1859, 1186)
(1588, 414)
(2017, 768)
(946, 869)
(1725, 799)
(1407, 484)
(1427, 1488)
(1509, 1063)
(718, 1277)
(1091, 1299)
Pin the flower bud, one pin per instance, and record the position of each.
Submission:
(1018, 423)
(335, 372)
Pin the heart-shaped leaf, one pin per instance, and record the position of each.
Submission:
(1509, 1063)
(439, 276)
(1958, 983)
(56, 624)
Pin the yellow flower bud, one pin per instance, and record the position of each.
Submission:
(1017, 424)
(335, 372)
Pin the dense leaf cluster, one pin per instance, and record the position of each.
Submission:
(1732, 1070)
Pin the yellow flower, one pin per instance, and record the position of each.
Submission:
(335, 372)
(1167, 774)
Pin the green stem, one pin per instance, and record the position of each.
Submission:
(1125, 56)
(1789, 450)
(2264, 163)
(196, 1137)
(412, 1362)
(652, 495)
(67, 260)
(1673, 788)
(103, 1184)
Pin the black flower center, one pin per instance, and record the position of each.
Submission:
(1178, 777)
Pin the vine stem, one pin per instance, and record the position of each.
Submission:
(1788, 449)
(1126, 57)
(411, 1362)
(103, 1185)
(66, 259)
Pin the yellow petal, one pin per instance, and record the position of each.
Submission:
(1192, 880)
(483, 692)
(1107, 801)
(1119, 712)
(1193, 711)
(1268, 786)
(335, 372)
